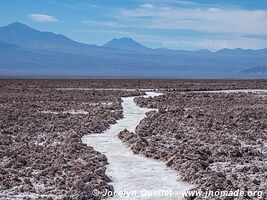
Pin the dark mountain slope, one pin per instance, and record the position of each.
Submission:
(25, 51)
(125, 44)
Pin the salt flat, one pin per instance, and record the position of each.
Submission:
(135, 174)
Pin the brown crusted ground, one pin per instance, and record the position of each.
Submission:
(216, 141)
(179, 85)
(41, 153)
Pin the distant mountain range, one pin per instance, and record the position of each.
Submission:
(28, 52)
(125, 44)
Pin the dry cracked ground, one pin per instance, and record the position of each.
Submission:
(217, 141)
(41, 152)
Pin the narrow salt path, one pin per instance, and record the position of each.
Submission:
(134, 175)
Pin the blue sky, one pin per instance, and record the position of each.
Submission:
(175, 24)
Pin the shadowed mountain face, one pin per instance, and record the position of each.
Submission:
(28, 52)
(23, 35)
(260, 70)
(125, 44)
(5, 46)
(239, 51)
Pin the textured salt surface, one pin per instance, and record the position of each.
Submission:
(12, 194)
(107, 89)
(134, 173)
(256, 91)
(71, 112)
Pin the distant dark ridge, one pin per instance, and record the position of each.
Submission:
(26, 52)
(5, 45)
(256, 70)
(125, 44)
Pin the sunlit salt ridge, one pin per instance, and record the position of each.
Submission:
(131, 173)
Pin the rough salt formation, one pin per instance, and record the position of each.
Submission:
(171, 85)
(135, 173)
(217, 141)
(51, 165)
(41, 152)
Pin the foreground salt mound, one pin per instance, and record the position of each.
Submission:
(216, 140)
(135, 175)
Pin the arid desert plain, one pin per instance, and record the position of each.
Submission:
(133, 139)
